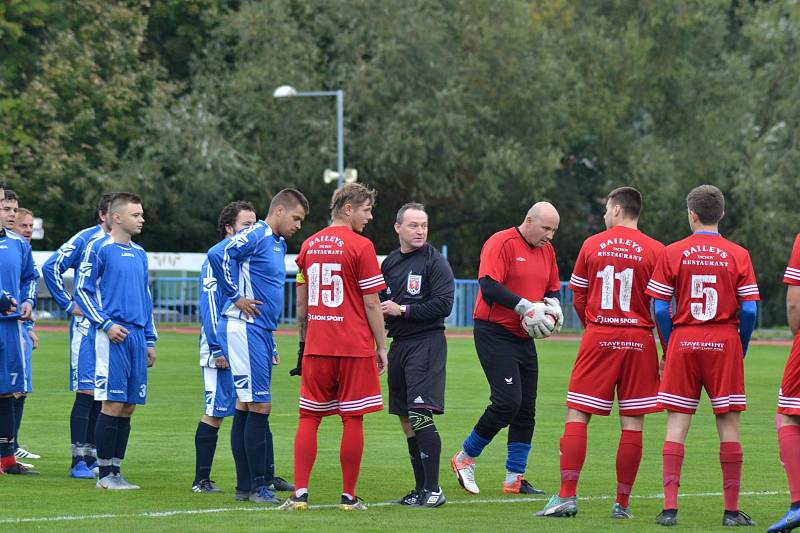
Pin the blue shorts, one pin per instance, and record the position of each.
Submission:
(12, 357)
(28, 357)
(81, 354)
(220, 395)
(120, 368)
(249, 350)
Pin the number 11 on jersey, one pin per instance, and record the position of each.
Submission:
(625, 283)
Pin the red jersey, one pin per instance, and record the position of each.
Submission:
(792, 274)
(611, 274)
(525, 270)
(339, 266)
(708, 275)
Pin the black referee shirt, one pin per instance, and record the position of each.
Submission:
(421, 280)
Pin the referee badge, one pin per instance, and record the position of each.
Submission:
(414, 284)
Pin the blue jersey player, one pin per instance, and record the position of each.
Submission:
(251, 274)
(123, 332)
(85, 409)
(220, 400)
(18, 281)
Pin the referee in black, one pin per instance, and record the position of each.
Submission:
(418, 299)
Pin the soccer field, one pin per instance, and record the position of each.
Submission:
(160, 457)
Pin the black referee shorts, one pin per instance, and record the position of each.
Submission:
(417, 373)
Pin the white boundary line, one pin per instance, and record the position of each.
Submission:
(182, 512)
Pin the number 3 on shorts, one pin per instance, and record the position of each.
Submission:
(143, 390)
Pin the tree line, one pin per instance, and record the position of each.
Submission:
(476, 108)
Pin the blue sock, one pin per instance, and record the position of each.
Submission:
(474, 444)
(238, 450)
(79, 420)
(270, 456)
(255, 443)
(123, 432)
(19, 408)
(205, 444)
(517, 460)
(106, 432)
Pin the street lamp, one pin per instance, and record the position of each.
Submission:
(287, 91)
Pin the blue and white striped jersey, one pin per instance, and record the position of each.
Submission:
(18, 273)
(112, 286)
(252, 265)
(66, 257)
(209, 316)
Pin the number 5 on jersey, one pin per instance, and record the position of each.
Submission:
(324, 280)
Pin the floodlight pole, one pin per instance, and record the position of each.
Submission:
(286, 91)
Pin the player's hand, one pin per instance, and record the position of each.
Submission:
(151, 356)
(8, 305)
(276, 358)
(25, 311)
(117, 334)
(77, 311)
(381, 360)
(523, 306)
(34, 339)
(555, 310)
(220, 362)
(248, 306)
(390, 308)
(298, 370)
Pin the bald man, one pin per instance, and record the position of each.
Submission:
(517, 268)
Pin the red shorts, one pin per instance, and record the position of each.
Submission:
(707, 356)
(613, 357)
(333, 385)
(789, 395)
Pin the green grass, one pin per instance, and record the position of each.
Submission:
(161, 457)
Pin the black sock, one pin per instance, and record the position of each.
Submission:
(238, 450)
(123, 432)
(90, 453)
(106, 436)
(205, 444)
(796, 505)
(79, 425)
(430, 448)
(19, 409)
(269, 473)
(416, 463)
(6, 427)
(255, 443)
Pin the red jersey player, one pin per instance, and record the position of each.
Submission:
(712, 281)
(617, 351)
(344, 337)
(789, 397)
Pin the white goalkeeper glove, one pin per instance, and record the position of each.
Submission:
(554, 308)
(535, 321)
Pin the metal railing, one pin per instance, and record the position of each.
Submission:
(175, 299)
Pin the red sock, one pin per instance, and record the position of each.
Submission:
(305, 449)
(629, 455)
(7, 461)
(573, 454)
(789, 442)
(351, 451)
(730, 458)
(672, 454)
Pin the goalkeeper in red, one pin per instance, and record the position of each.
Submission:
(789, 397)
(617, 351)
(715, 292)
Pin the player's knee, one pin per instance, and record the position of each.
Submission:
(421, 420)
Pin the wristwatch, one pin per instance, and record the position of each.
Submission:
(402, 309)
